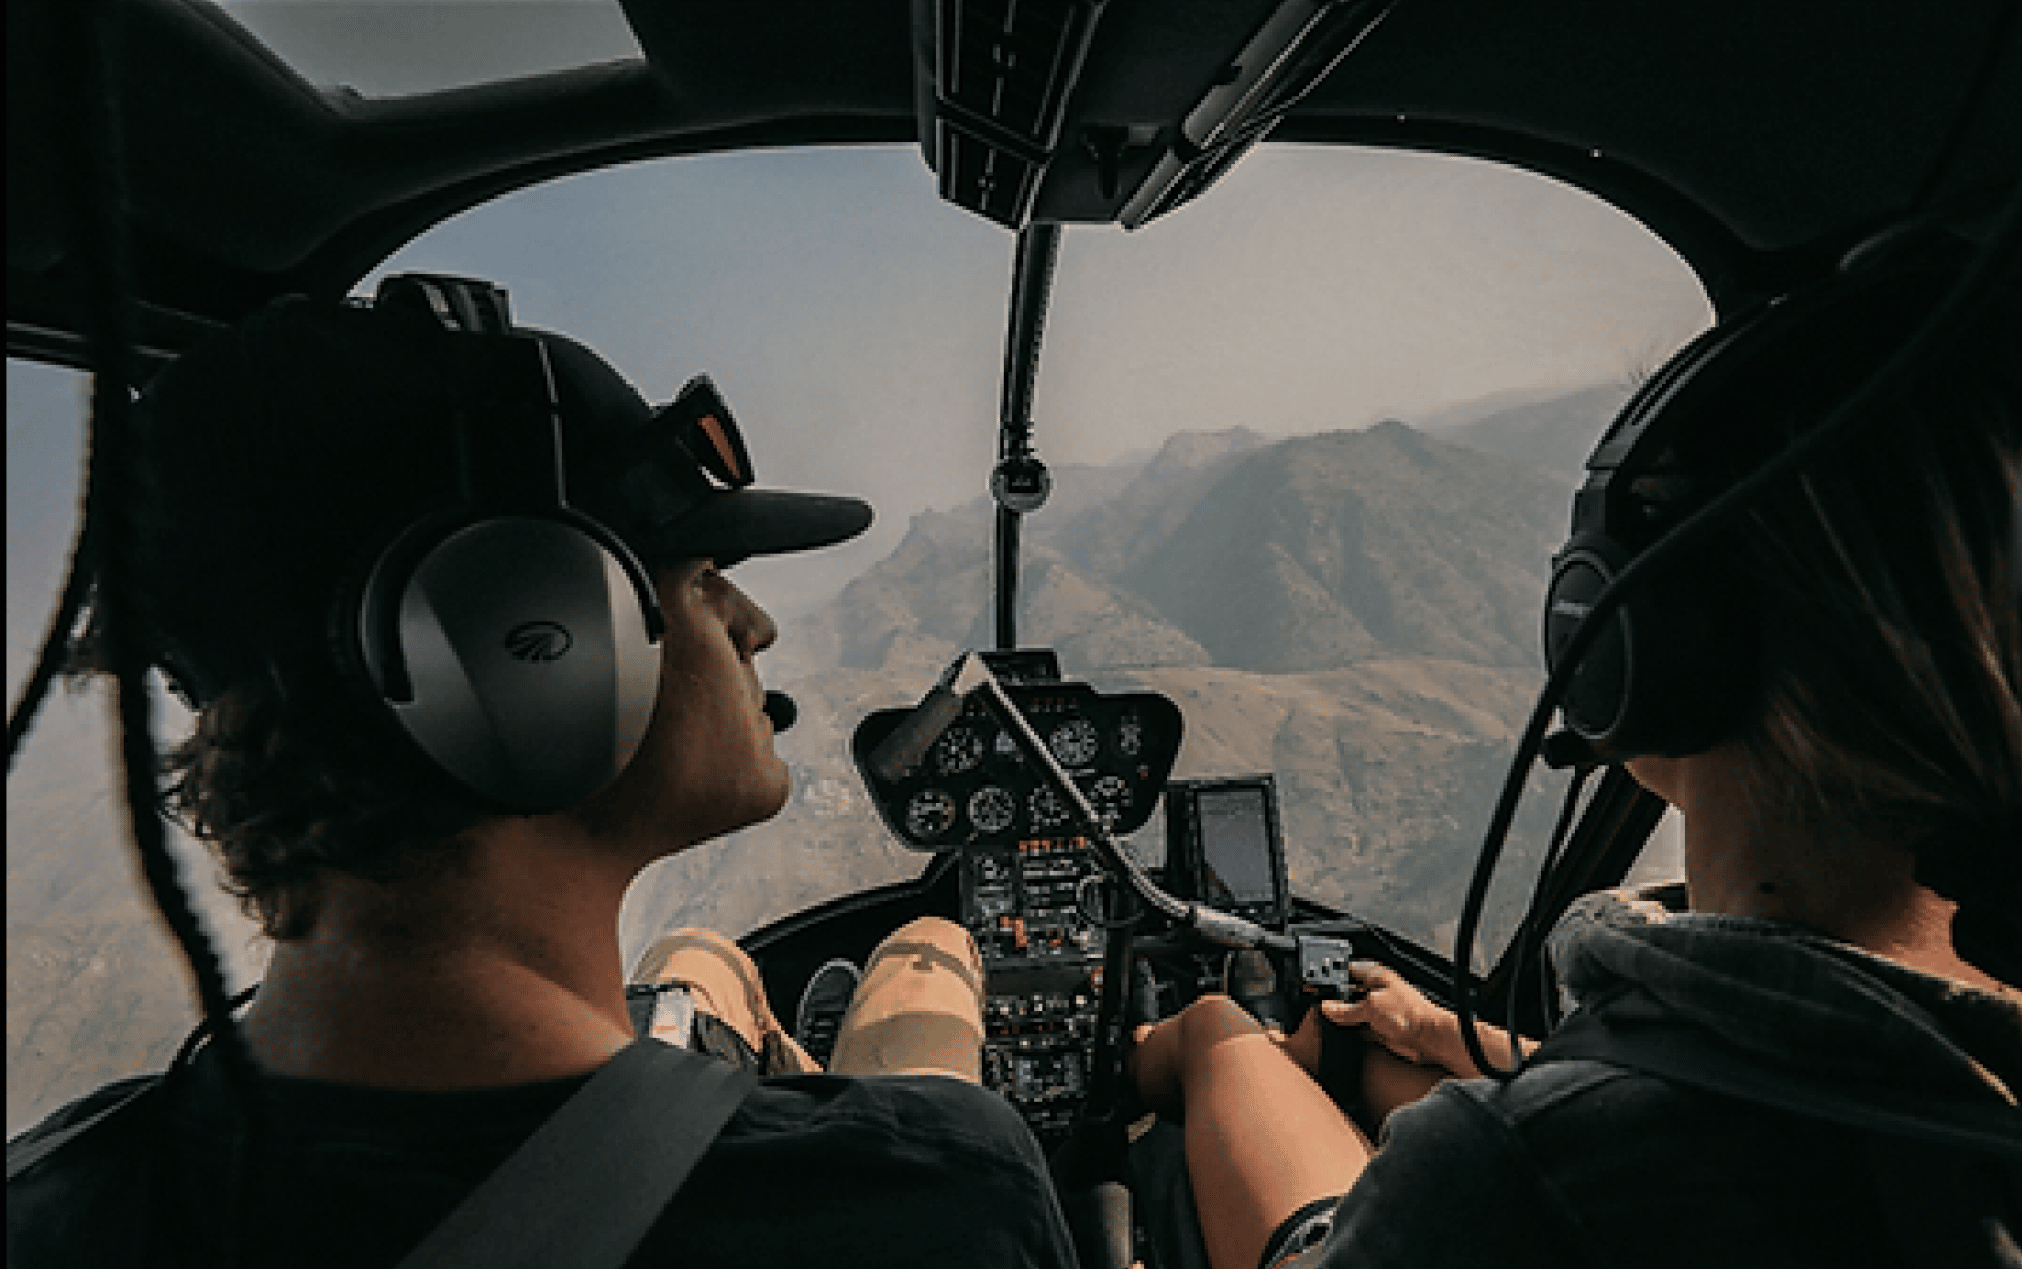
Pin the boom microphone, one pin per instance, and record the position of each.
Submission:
(779, 707)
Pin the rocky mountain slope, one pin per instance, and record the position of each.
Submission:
(1302, 554)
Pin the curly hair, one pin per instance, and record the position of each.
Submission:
(283, 785)
(1885, 582)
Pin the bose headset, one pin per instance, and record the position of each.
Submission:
(512, 638)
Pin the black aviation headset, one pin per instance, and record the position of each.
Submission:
(511, 637)
(1645, 657)
(1670, 672)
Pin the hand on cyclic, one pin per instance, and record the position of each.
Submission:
(1396, 1016)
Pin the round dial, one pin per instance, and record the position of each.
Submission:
(1130, 736)
(959, 749)
(991, 809)
(1074, 742)
(1110, 797)
(930, 814)
(1048, 811)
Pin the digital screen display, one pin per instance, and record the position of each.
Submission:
(1235, 846)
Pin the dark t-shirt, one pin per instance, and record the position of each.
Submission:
(891, 1171)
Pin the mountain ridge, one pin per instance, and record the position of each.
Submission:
(1330, 548)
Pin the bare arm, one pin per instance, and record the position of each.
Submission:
(1411, 1044)
(1413, 1028)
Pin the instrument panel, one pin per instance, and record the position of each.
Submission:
(1041, 961)
(1022, 862)
(975, 790)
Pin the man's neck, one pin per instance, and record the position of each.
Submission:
(506, 972)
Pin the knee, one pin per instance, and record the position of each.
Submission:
(937, 932)
(927, 944)
(695, 955)
(930, 956)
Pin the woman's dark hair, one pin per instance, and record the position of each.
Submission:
(1884, 580)
(285, 783)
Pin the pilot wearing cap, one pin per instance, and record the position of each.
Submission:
(450, 602)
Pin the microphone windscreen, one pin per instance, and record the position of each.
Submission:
(1564, 748)
(779, 707)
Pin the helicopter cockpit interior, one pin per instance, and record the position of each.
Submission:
(1179, 718)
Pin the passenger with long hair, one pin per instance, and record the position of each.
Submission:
(1834, 986)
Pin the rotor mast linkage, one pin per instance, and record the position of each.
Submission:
(1019, 483)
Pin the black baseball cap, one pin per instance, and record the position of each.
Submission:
(283, 455)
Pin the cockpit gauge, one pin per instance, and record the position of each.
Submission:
(959, 749)
(1048, 811)
(992, 808)
(1110, 797)
(973, 789)
(930, 813)
(1130, 736)
(1075, 742)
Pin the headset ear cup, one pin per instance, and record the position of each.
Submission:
(1597, 697)
(368, 626)
(517, 654)
(1669, 674)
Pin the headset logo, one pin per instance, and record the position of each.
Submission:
(539, 641)
(1571, 608)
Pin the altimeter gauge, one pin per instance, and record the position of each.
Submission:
(992, 809)
(1075, 742)
(929, 814)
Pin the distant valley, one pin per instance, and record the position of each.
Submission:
(1355, 611)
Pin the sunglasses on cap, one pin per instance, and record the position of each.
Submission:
(700, 422)
(697, 420)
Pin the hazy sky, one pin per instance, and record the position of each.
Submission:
(856, 323)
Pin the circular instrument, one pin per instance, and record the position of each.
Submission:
(992, 809)
(930, 813)
(1048, 811)
(1075, 742)
(959, 749)
(1110, 797)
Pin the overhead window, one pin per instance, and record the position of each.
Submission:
(394, 48)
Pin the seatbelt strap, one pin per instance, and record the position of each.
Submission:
(591, 1180)
(22, 1156)
(1698, 1059)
